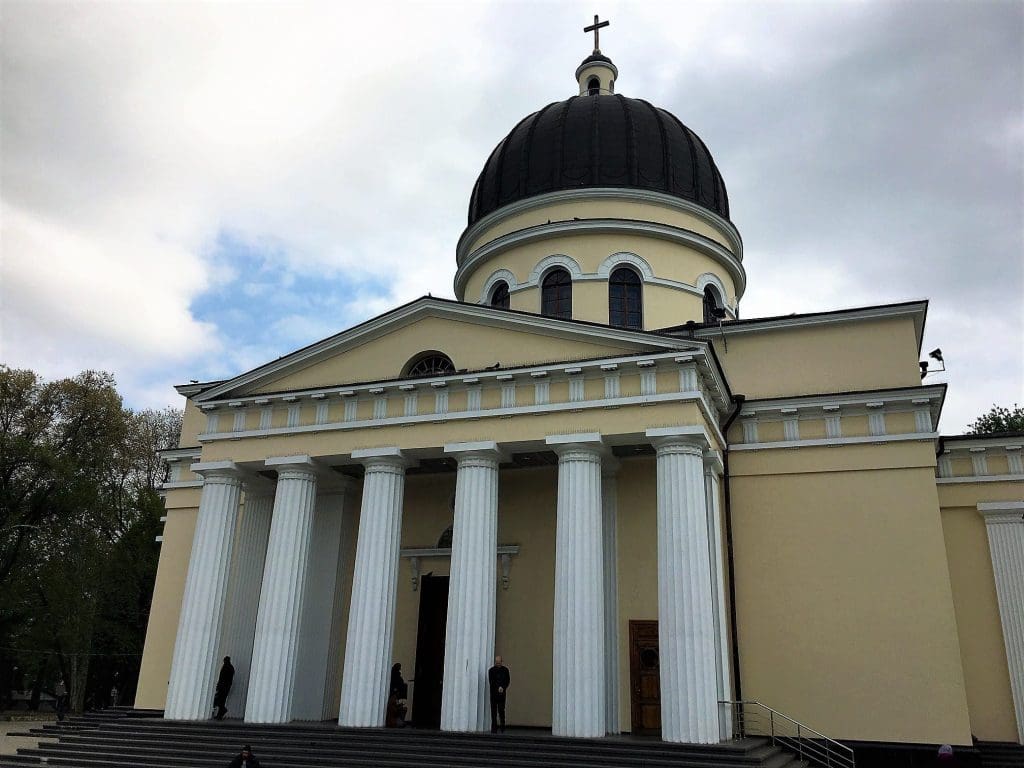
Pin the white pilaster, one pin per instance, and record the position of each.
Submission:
(243, 597)
(275, 650)
(578, 705)
(1004, 522)
(317, 660)
(469, 639)
(610, 549)
(371, 622)
(713, 469)
(195, 662)
(686, 632)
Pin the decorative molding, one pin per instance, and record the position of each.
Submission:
(672, 234)
(979, 479)
(916, 310)
(834, 441)
(726, 227)
(606, 267)
(554, 261)
(499, 275)
(412, 312)
(505, 553)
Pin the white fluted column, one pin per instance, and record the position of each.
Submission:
(371, 618)
(713, 469)
(318, 660)
(275, 650)
(1004, 522)
(469, 639)
(578, 701)
(195, 662)
(686, 632)
(609, 528)
(243, 599)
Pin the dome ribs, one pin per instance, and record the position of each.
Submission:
(604, 141)
(695, 190)
(524, 156)
(712, 170)
(630, 139)
(560, 132)
(499, 198)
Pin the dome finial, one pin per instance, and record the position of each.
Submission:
(596, 75)
(596, 29)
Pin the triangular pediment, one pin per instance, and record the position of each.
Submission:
(474, 337)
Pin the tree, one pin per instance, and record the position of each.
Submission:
(998, 419)
(79, 513)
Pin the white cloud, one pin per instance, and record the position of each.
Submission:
(341, 142)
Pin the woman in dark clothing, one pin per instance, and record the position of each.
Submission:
(398, 690)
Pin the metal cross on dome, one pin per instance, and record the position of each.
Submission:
(596, 28)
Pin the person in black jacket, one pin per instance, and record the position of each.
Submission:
(227, 674)
(498, 680)
(245, 759)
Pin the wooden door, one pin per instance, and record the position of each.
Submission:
(644, 678)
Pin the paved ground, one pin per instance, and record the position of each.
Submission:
(9, 744)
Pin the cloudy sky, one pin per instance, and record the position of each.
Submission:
(191, 189)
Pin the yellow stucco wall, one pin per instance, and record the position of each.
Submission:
(839, 357)
(843, 593)
(663, 306)
(162, 629)
(469, 345)
(977, 610)
(600, 209)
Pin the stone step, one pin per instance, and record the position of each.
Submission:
(123, 739)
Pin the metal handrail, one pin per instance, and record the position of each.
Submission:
(809, 744)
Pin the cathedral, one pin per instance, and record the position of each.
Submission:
(589, 463)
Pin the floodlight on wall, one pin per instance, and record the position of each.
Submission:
(935, 354)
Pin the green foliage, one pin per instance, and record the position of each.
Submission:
(998, 419)
(79, 514)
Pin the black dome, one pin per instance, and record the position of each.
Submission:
(599, 141)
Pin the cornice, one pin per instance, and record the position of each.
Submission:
(626, 194)
(832, 442)
(917, 310)
(980, 479)
(429, 307)
(912, 398)
(555, 229)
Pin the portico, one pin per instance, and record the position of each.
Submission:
(284, 594)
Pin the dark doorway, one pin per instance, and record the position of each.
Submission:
(644, 678)
(426, 709)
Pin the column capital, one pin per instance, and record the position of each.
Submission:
(1002, 512)
(217, 470)
(295, 466)
(387, 457)
(683, 439)
(482, 449)
(713, 463)
(581, 445)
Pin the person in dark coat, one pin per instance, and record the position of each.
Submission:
(398, 691)
(227, 674)
(245, 759)
(498, 680)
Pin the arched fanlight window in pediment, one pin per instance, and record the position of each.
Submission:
(429, 363)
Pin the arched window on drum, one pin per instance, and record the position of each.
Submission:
(499, 295)
(556, 294)
(714, 306)
(625, 299)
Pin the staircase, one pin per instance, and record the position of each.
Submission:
(123, 738)
(998, 754)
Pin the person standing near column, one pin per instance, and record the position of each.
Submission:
(224, 680)
(498, 680)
